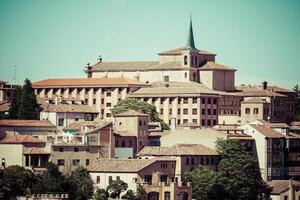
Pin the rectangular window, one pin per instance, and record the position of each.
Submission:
(61, 121)
(108, 94)
(102, 101)
(203, 101)
(61, 149)
(208, 101)
(170, 111)
(118, 178)
(185, 111)
(109, 179)
(178, 111)
(98, 179)
(185, 121)
(194, 100)
(161, 111)
(214, 101)
(185, 100)
(76, 149)
(166, 78)
(75, 162)
(195, 121)
(214, 111)
(108, 104)
(208, 122)
(194, 111)
(178, 121)
(203, 111)
(60, 162)
(87, 162)
(203, 122)
(89, 117)
(209, 111)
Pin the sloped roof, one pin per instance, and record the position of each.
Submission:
(267, 131)
(137, 66)
(178, 150)
(86, 82)
(254, 90)
(120, 165)
(173, 89)
(215, 66)
(25, 123)
(35, 150)
(131, 113)
(99, 127)
(78, 125)
(68, 108)
(20, 139)
(4, 106)
(254, 100)
(280, 186)
(178, 51)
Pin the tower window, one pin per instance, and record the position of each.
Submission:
(247, 110)
(255, 111)
(185, 60)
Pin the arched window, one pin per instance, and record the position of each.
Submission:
(255, 111)
(247, 110)
(185, 60)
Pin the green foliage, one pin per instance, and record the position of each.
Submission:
(15, 103)
(237, 177)
(117, 187)
(101, 194)
(81, 185)
(24, 104)
(29, 108)
(140, 193)
(50, 181)
(16, 181)
(129, 195)
(140, 106)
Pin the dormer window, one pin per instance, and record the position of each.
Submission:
(185, 60)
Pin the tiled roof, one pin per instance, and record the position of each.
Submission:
(79, 124)
(280, 186)
(267, 131)
(69, 108)
(4, 106)
(86, 82)
(173, 89)
(178, 51)
(272, 124)
(254, 100)
(137, 66)
(20, 139)
(25, 123)
(215, 66)
(178, 150)
(35, 150)
(124, 134)
(254, 90)
(120, 165)
(100, 126)
(131, 113)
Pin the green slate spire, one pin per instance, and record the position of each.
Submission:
(190, 40)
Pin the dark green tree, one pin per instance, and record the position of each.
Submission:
(15, 103)
(81, 185)
(140, 106)
(101, 194)
(50, 181)
(29, 108)
(296, 89)
(129, 195)
(117, 187)
(16, 181)
(140, 192)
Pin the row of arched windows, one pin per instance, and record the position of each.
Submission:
(248, 111)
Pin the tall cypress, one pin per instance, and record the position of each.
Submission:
(15, 103)
(29, 108)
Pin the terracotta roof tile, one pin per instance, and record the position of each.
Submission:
(254, 100)
(178, 51)
(25, 123)
(178, 150)
(4, 106)
(280, 186)
(215, 66)
(131, 113)
(267, 131)
(86, 82)
(78, 125)
(69, 108)
(20, 139)
(35, 150)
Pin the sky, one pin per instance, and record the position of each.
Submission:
(52, 39)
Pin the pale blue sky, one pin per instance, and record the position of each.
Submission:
(260, 38)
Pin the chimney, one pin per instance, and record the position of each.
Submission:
(265, 85)
(100, 58)
(173, 124)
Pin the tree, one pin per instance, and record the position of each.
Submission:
(296, 89)
(16, 181)
(100, 194)
(140, 106)
(15, 103)
(140, 193)
(239, 173)
(29, 108)
(50, 181)
(129, 195)
(81, 185)
(117, 187)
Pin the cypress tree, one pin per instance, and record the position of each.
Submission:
(29, 108)
(15, 103)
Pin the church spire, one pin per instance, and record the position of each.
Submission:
(190, 41)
